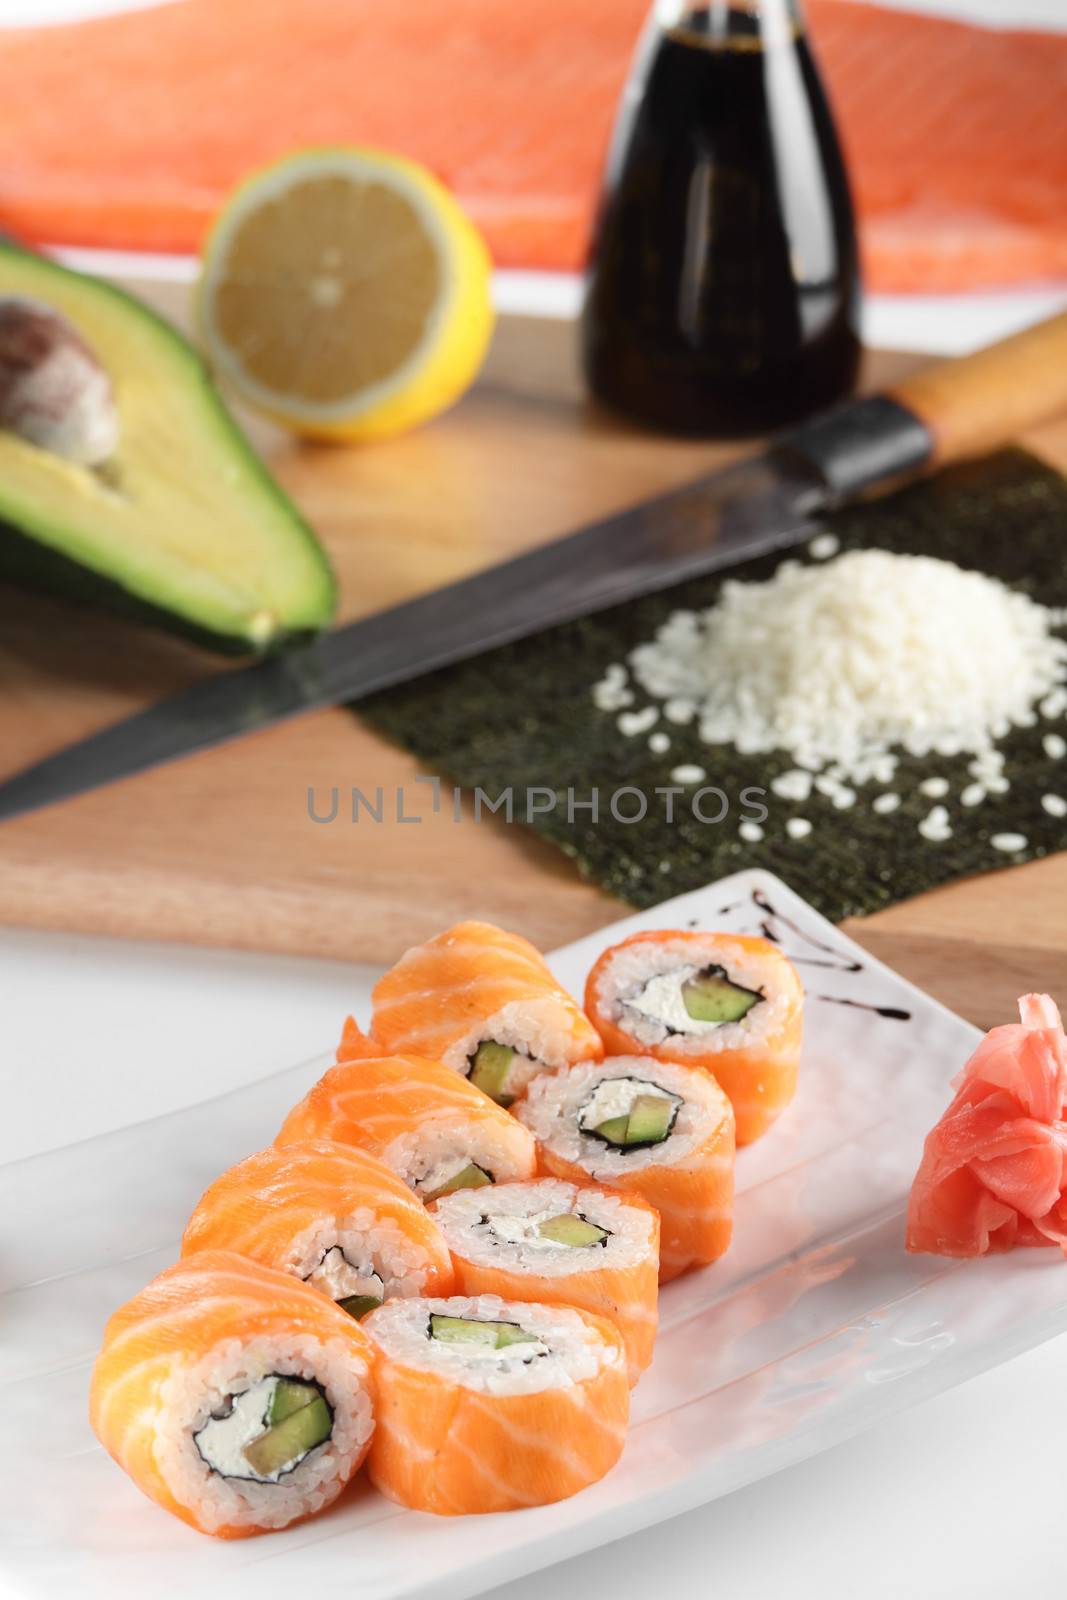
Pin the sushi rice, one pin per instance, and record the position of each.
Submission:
(235, 1366)
(640, 990)
(560, 1110)
(564, 1350)
(501, 1224)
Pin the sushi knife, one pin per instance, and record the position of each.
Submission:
(763, 503)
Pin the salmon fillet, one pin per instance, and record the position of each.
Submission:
(957, 134)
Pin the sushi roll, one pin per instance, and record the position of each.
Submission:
(329, 1214)
(487, 1404)
(730, 1003)
(556, 1243)
(435, 1130)
(650, 1128)
(484, 1002)
(235, 1396)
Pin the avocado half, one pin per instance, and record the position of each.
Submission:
(183, 526)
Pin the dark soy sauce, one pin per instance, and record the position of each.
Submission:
(723, 295)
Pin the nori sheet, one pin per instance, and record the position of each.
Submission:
(523, 716)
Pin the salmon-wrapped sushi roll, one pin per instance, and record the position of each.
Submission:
(235, 1396)
(429, 1126)
(559, 1244)
(728, 1002)
(645, 1127)
(330, 1214)
(485, 1003)
(491, 1405)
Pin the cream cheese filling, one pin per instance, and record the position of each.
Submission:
(614, 1097)
(341, 1279)
(222, 1440)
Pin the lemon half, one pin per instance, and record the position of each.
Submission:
(344, 293)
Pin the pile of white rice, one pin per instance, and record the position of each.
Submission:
(839, 663)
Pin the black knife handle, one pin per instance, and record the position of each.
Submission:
(942, 413)
(859, 444)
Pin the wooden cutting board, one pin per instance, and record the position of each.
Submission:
(220, 849)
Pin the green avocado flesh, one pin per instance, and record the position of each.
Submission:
(182, 526)
(469, 1330)
(711, 997)
(357, 1305)
(571, 1230)
(490, 1066)
(290, 1395)
(648, 1122)
(300, 1431)
(470, 1177)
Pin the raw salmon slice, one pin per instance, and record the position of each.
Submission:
(957, 134)
(994, 1169)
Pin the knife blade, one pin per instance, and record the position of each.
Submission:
(743, 511)
(763, 503)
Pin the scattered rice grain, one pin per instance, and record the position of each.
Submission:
(635, 722)
(935, 825)
(823, 546)
(1009, 842)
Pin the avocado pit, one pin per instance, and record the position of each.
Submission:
(54, 393)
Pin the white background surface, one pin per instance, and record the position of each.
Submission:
(962, 1498)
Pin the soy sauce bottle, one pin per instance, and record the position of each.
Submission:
(723, 292)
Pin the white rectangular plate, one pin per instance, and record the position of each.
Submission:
(814, 1326)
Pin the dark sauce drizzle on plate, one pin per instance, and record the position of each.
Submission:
(773, 920)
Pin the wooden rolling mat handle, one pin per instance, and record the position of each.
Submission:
(976, 402)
